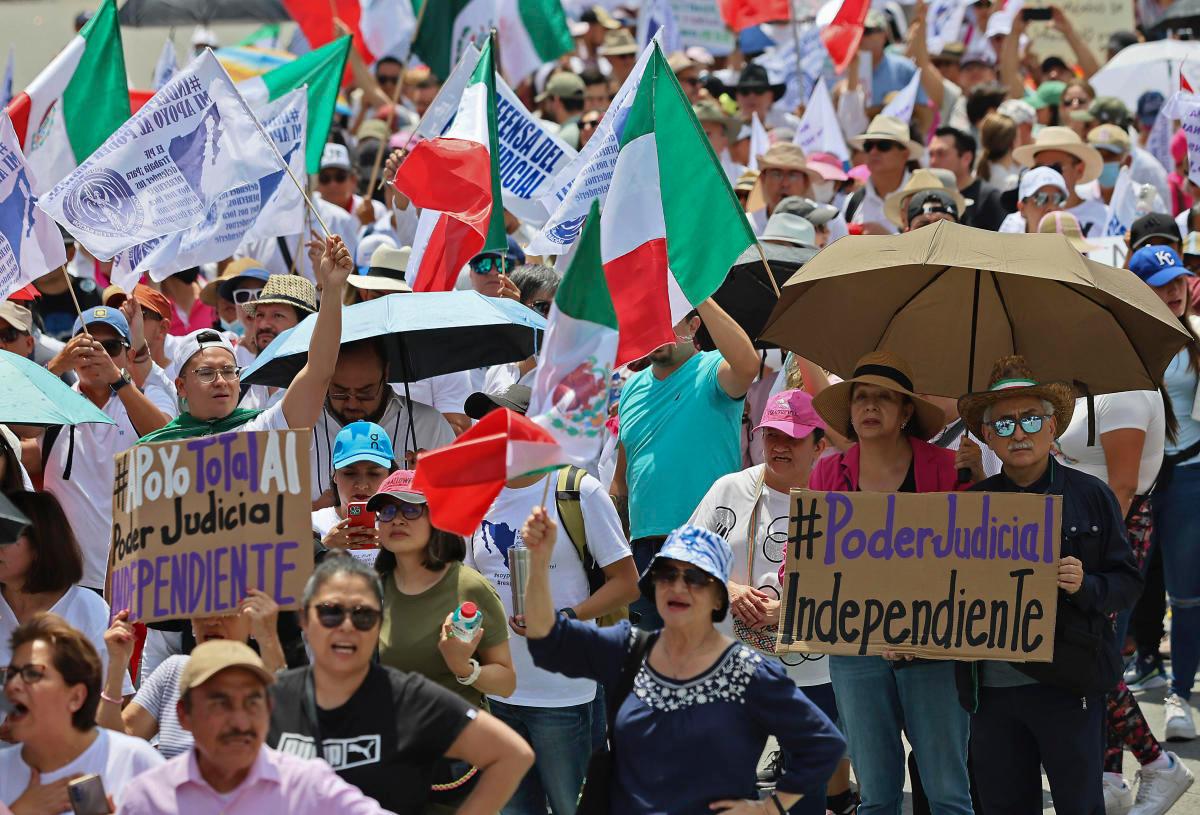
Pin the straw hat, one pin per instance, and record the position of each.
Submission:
(1065, 140)
(290, 289)
(787, 156)
(1067, 225)
(746, 181)
(889, 128)
(919, 181)
(709, 110)
(385, 271)
(1011, 376)
(618, 43)
(885, 370)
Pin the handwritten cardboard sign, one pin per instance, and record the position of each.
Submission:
(942, 575)
(199, 522)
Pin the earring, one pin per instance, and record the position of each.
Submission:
(904, 424)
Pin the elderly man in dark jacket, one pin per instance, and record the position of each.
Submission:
(1026, 716)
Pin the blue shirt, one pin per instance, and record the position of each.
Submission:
(679, 745)
(680, 435)
(1181, 382)
(892, 74)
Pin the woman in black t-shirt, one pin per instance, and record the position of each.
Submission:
(382, 729)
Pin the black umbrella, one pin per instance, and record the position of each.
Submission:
(1183, 15)
(748, 296)
(201, 12)
(12, 522)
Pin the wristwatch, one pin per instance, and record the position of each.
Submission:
(125, 379)
(569, 613)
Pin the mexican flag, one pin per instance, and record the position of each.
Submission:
(671, 226)
(531, 33)
(456, 175)
(570, 389)
(447, 26)
(461, 480)
(321, 71)
(76, 102)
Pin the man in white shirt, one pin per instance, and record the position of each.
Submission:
(888, 149)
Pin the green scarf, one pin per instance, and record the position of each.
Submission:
(187, 426)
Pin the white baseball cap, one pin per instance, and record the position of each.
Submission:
(1039, 177)
(197, 341)
(335, 155)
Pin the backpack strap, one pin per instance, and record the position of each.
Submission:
(569, 503)
(854, 203)
(640, 643)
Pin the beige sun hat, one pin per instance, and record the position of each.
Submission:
(782, 156)
(386, 271)
(709, 110)
(618, 43)
(290, 289)
(919, 181)
(1065, 140)
(1012, 376)
(1067, 225)
(888, 128)
(746, 180)
(885, 370)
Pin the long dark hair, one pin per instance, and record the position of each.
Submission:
(57, 561)
(11, 480)
(1193, 351)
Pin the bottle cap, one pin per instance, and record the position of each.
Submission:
(468, 609)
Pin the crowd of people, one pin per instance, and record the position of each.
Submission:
(638, 672)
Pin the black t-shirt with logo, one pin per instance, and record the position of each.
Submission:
(384, 740)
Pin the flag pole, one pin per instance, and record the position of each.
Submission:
(767, 267)
(546, 490)
(75, 299)
(391, 119)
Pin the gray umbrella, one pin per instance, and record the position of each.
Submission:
(12, 521)
(201, 12)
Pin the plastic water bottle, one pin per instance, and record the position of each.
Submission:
(466, 621)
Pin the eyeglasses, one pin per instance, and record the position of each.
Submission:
(775, 174)
(332, 176)
(368, 394)
(241, 296)
(692, 577)
(29, 674)
(331, 615)
(1076, 102)
(390, 79)
(209, 375)
(542, 307)
(11, 335)
(113, 347)
(1006, 427)
(487, 264)
(879, 146)
(388, 512)
(592, 125)
(1040, 199)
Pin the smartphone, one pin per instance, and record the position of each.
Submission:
(87, 796)
(359, 516)
(1037, 14)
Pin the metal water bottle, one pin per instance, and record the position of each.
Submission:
(518, 571)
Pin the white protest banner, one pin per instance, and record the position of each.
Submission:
(265, 208)
(657, 19)
(819, 130)
(589, 174)
(944, 24)
(1188, 112)
(166, 67)
(759, 141)
(699, 23)
(905, 100)
(161, 170)
(30, 243)
(1158, 142)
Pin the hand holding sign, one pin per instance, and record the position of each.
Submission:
(1070, 575)
(263, 613)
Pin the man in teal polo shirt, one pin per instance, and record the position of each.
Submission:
(680, 424)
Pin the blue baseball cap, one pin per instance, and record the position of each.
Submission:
(108, 316)
(701, 548)
(1157, 265)
(362, 441)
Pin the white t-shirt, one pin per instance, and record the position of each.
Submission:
(488, 551)
(446, 393)
(1137, 410)
(115, 757)
(1092, 215)
(86, 497)
(728, 509)
(84, 610)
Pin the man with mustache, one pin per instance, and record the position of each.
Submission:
(225, 705)
(1029, 715)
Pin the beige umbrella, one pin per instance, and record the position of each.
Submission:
(952, 299)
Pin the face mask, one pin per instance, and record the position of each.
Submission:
(1108, 176)
(234, 327)
(823, 191)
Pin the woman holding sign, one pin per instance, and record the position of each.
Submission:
(876, 697)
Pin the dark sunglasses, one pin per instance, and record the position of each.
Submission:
(879, 146)
(692, 577)
(487, 265)
(112, 347)
(11, 335)
(364, 618)
(542, 307)
(589, 125)
(387, 80)
(388, 512)
(332, 176)
(1006, 427)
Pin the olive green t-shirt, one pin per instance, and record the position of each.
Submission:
(412, 625)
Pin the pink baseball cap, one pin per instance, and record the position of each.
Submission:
(860, 172)
(397, 485)
(792, 412)
(828, 165)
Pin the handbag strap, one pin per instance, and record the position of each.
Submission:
(310, 713)
(639, 646)
(752, 526)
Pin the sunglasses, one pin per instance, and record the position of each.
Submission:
(1006, 427)
(692, 577)
(241, 296)
(11, 335)
(487, 265)
(542, 307)
(589, 125)
(112, 347)
(387, 80)
(363, 618)
(694, 81)
(1040, 199)
(29, 674)
(880, 146)
(332, 176)
(1076, 102)
(388, 512)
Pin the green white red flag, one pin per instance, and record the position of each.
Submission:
(460, 481)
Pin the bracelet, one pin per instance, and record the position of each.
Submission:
(108, 698)
(778, 804)
(476, 670)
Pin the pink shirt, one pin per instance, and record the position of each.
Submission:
(202, 315)
(276, 783)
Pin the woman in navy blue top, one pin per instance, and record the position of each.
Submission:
(688, 737)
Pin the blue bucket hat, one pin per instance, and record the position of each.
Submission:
(1157, 265)
(362, 441)
(701, 548)
(106, 315)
